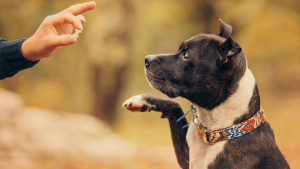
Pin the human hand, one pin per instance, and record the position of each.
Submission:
(55, 32)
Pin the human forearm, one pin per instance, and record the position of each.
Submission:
(11, 58)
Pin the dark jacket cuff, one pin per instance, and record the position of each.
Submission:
(11, 58)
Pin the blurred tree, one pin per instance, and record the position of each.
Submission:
(110, 51)
(204, 13)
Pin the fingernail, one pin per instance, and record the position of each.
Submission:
(71, 39)
(93, 2)
(81, 27)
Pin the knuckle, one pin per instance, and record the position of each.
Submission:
(66, 15)
(69, 15)
(49, 18)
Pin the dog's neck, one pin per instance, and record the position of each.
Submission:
(236, 108)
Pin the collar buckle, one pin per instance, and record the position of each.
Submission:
(201, 132)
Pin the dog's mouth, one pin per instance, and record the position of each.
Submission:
(160, 83)
(155, 79)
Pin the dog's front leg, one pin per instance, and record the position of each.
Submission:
(170, 110)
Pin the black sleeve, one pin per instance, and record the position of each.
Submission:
(11, 58)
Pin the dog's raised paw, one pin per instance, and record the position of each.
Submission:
(137, 103)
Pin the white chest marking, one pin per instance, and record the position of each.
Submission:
(203, 154)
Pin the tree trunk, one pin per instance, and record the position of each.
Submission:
(106, 97)
(105, 101)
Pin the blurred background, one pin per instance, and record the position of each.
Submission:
(65, 113)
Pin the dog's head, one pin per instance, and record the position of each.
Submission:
(205, 69)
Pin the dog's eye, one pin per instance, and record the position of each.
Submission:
(186, 55)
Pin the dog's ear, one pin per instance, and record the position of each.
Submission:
(228, 49)
(225, 30)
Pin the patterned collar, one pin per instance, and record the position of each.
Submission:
(237, 130)
(228, 133)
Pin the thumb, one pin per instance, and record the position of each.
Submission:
(63, 40)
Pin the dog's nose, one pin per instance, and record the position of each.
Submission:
(149, 59)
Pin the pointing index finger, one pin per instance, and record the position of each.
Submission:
(80, 8)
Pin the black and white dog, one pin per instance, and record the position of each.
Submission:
(228, 128)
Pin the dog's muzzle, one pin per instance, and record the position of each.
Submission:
(149, 59)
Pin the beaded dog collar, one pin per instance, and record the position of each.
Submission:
(228, 133)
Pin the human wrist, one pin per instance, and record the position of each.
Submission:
(12, 59)
(27, 50)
